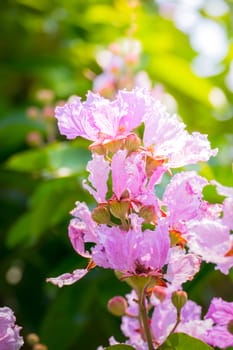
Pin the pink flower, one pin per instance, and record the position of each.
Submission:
(227, 203)
(165, 136)
(164, 319)
(181, 266)
(132, 252)
(183, 199)
(99, 169)
(10, 338)
(211, 241)
(100, 120)
(128, 177)
(82, 229)
(221, 313)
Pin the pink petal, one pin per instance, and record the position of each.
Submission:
(211, 241)
(74, 121)
(119, 175)
(181, 267)
(99, 169)
(82, 229)
(67, 279)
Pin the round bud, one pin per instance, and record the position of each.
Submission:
(117, 306)
(34, 138)
(160, 292)
(179, 299)
(32, 339)
(40, 347)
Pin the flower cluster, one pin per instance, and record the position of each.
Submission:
(153, 242)
(119, 65)
(10, 338)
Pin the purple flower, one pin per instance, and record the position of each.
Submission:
(100, 120)
(181, 266)
(165, 136)
(165, 315)
(212, 242)
(99, 169)
(10, 338)
(183, 199)
(82, 229)
(133, 252)
(221, 313)
(227, 203)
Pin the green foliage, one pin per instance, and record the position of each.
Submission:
(180, 341)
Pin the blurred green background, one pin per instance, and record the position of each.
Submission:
(47, 49)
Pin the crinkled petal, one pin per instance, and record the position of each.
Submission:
(211, 241)
(196, 328)
(67, 279)
(220, 311)
(183, 197)
(99, 169)
(119, 174)
(10, 338)
(163, 320)
(181, 267)
(219, 337)
(135, 105)
(195, 148)
(82, 229)
(74, 120)
(133, 251)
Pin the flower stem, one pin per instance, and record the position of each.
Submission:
(143, 315)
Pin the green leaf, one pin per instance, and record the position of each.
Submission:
(181, 341)
(176, 72)
(50, 205)
(120, 347)
(59, 159)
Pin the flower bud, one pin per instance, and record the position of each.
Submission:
(34, 139)
(40, 347)
(45, 95)
(33, 112)
(48, 113)
(230, 327)
(32, 339)
(117, 306)
(132, 142)
(160, 292)
(179, 299)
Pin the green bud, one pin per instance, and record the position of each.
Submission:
(179, 299)
(132, 143)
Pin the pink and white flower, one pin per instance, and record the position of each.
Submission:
(10, 338)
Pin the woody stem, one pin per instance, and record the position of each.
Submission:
(144, 318)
